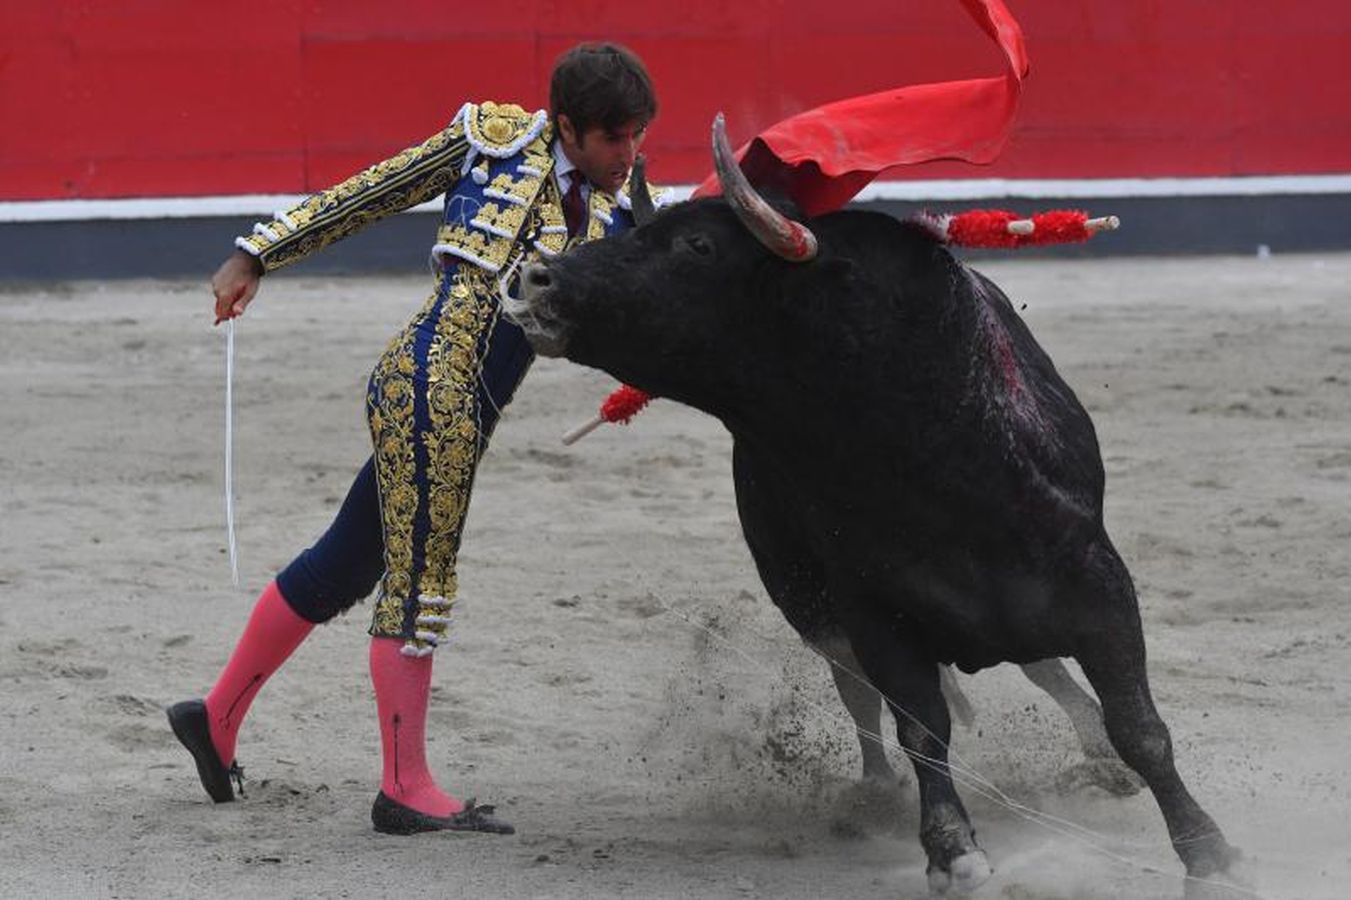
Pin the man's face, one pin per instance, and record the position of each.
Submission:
(604, 155)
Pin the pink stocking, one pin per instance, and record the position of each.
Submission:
(402, 686)
(273, 632)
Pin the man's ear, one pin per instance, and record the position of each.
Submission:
(566, 131)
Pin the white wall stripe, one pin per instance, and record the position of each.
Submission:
(974, 189)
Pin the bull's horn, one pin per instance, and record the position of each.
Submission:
(640, 198)
(791, 240)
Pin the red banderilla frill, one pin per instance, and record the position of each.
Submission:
(1001, 228)
(622, 405)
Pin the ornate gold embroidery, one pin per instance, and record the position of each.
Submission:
(601, 212)
(515, 191)
(485, 250)
(538, 155)
(406, 179)
(452, 443)
(390, 412)
(498, 131)
(550, 229)
(550, 209)
(501, 129)
(456, 437)
(501, 222)
(551, 243)
(490, 240)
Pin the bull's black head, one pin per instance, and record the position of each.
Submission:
(668, 307)
(712, 302)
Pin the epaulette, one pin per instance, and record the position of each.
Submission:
(500, 130)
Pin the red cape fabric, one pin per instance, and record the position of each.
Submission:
(823, 157)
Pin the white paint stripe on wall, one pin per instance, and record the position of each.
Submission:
(974, 189)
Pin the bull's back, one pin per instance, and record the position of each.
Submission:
(971, 384)
(968, 444)
(945, 465)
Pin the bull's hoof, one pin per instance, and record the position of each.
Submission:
(965, 873)
(1105, 772)
(1233, 882)
(1212, 858)
(880, 771)
(870, 806)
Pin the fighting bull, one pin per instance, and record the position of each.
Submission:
(917, 484)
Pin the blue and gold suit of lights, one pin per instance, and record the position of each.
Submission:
(438, 390)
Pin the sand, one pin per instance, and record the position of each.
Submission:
(619, 685)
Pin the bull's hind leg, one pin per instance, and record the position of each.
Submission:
(1111, 652)
(1101, 765)
(1085, 714)
(908, 678)
(861, 700)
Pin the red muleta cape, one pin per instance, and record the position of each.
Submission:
(823, 157)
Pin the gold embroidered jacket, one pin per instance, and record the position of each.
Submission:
(506, 153)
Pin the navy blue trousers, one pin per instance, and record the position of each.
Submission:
(346, 563)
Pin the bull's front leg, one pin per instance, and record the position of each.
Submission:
(908, 679)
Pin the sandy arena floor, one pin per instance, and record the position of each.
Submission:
(619, 685)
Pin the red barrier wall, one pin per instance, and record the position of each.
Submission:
(176, 98)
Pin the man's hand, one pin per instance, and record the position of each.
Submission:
(234, 284)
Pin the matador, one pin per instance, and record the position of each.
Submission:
(517, 186)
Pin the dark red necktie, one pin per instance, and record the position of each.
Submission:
(574, 210)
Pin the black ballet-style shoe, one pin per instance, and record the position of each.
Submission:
(391, 817)
(189, 722)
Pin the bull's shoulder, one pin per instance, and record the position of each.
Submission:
(882, 242)
(900, 257)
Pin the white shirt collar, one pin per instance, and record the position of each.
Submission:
(564, 167)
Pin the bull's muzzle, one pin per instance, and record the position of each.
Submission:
(535, 280)
(533, 310)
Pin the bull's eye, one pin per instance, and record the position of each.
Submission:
(698, 244)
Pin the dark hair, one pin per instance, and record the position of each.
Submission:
(601, 84)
